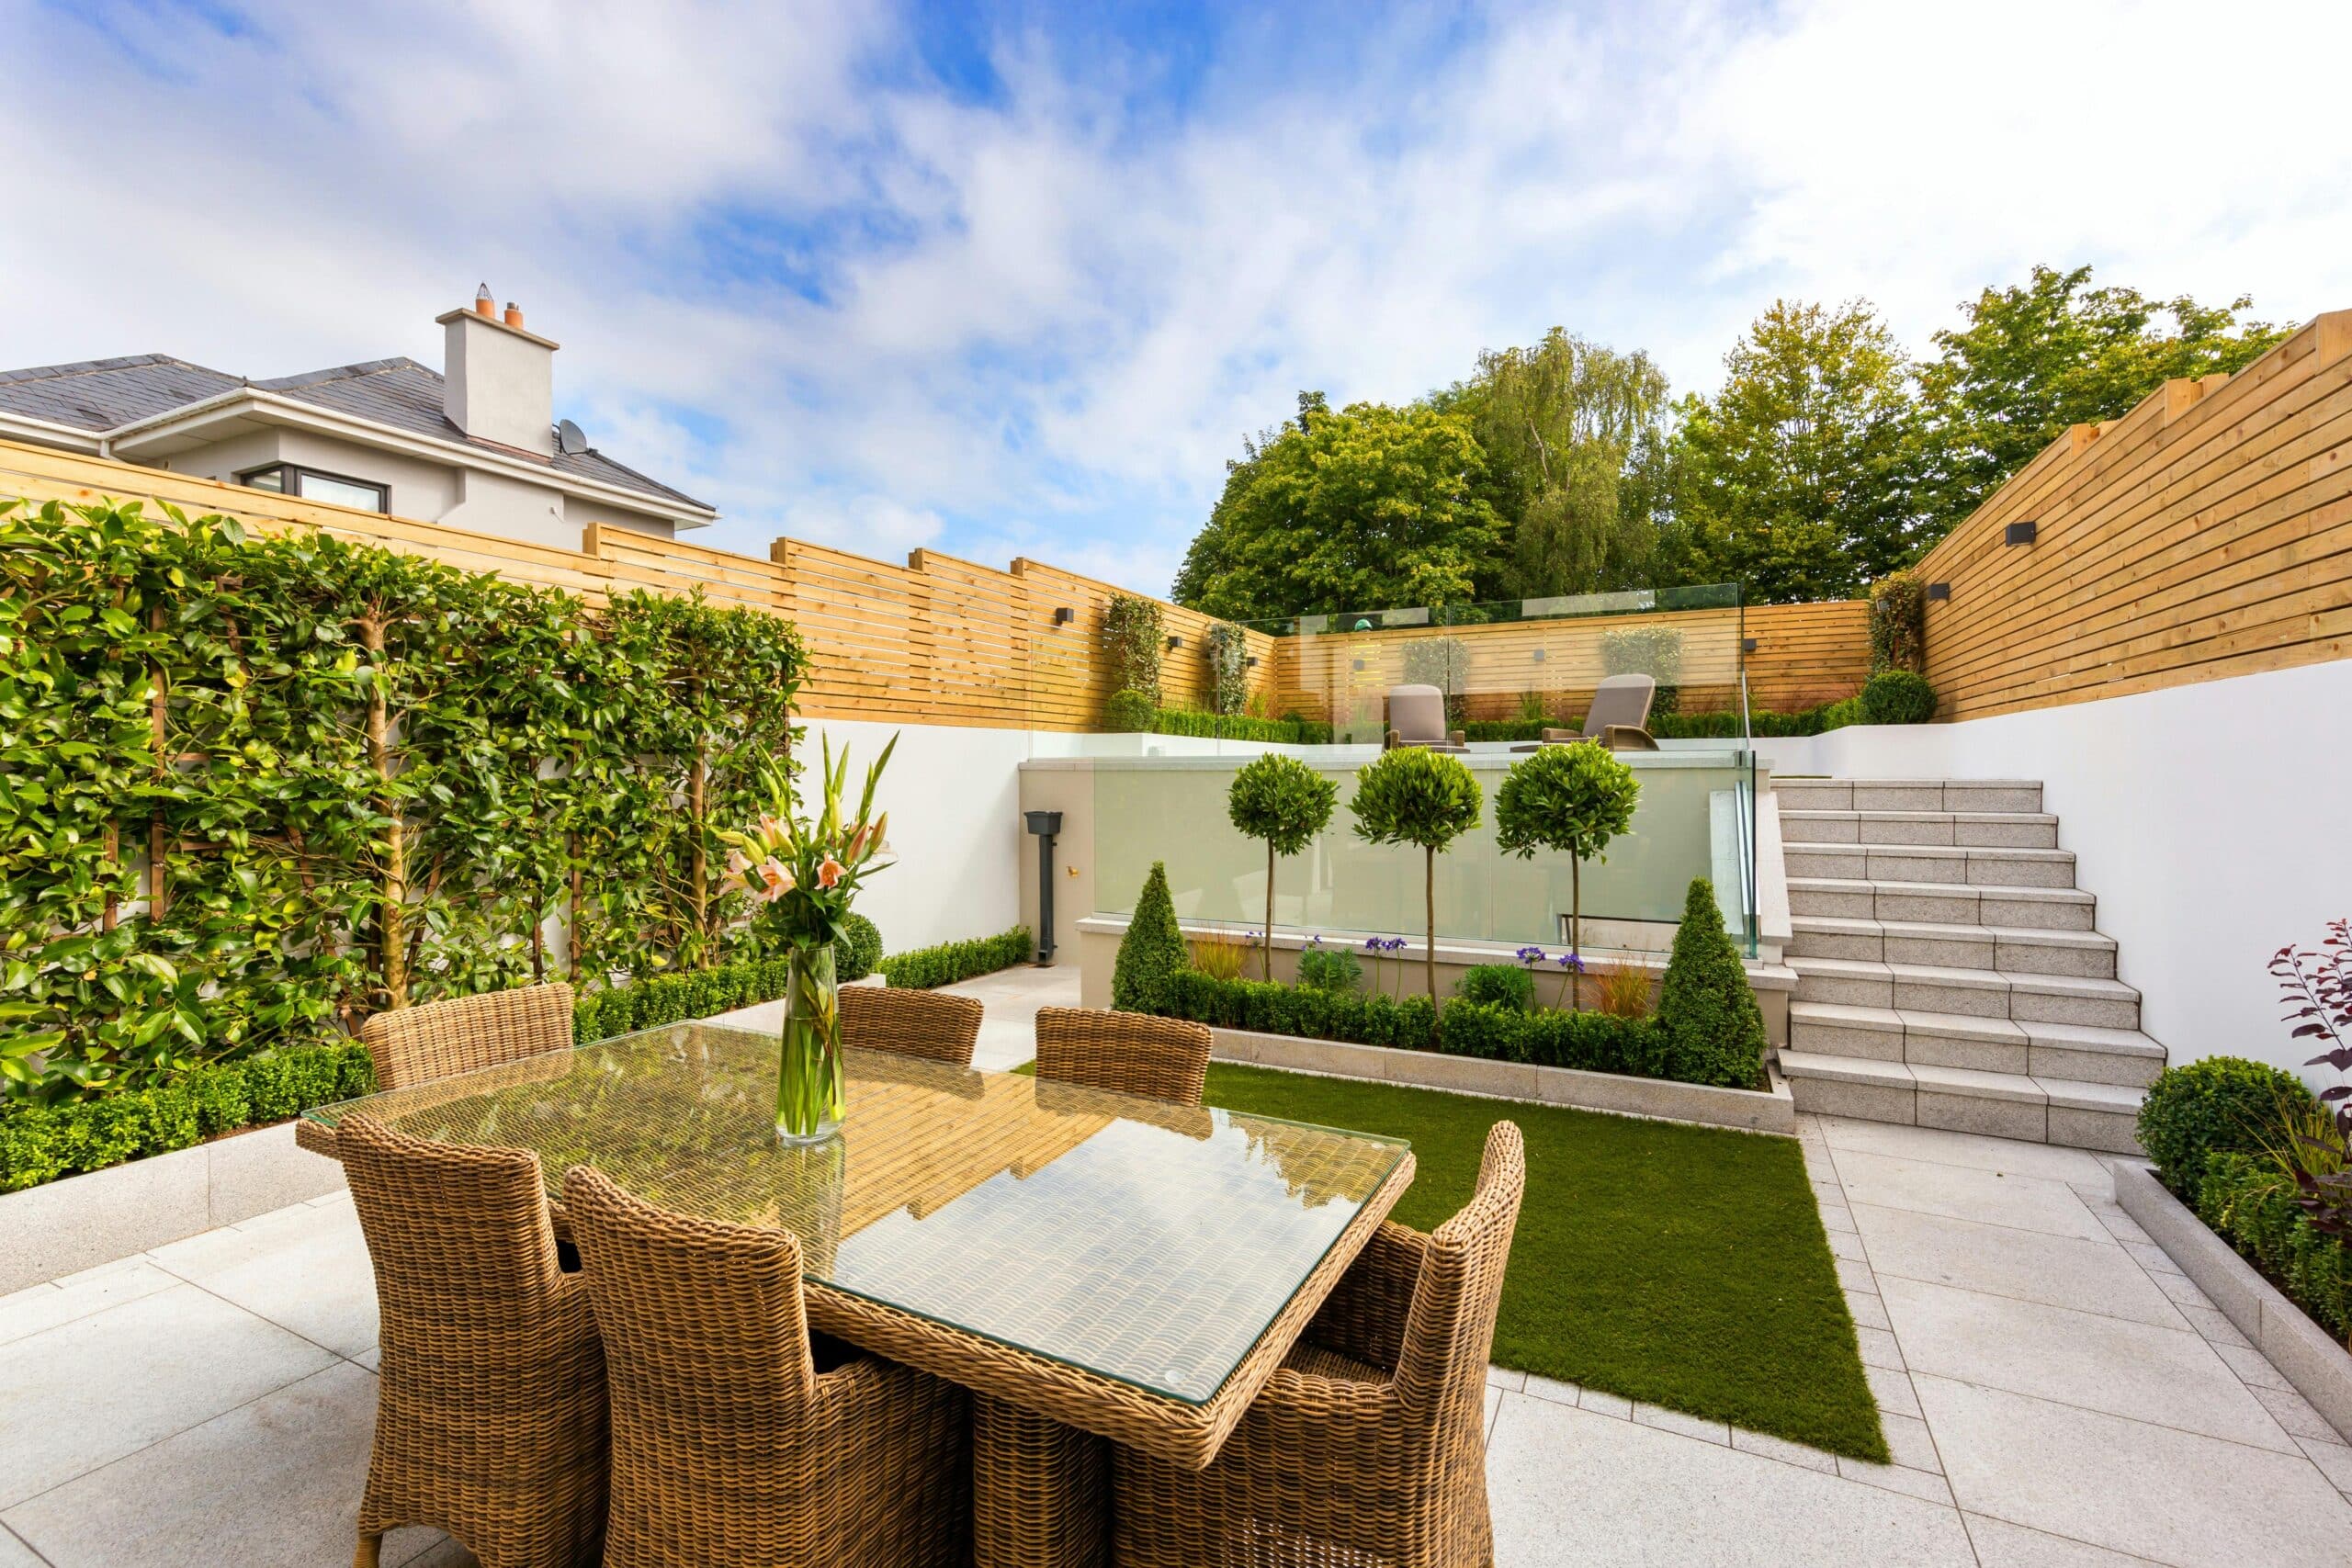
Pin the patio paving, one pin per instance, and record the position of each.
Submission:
(2055, 1395)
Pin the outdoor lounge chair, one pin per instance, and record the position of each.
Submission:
(913, 1023)
(731, 1445)
(414, 1046)
(490, 1419)
(1417, 718)
(1127, 1053)
(1366, 1446)
(1619, 717)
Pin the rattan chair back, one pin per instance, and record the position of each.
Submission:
(414, 1045)
(489, 1420)
(913, 1023)
(1128, 1053)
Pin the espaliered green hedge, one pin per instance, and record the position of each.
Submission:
(377, 774)
(41, 1144)
(953, 961)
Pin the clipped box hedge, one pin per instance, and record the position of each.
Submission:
(950, 962)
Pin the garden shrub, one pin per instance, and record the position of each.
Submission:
(1129, 713)
(1899, 623)
(2213, 1105)
(1713, 1032)
(2250, 1203)
(1291, 729)
(1409, 1023)
(1228, 657)
(950, 962)
(1132, 629)
(41, 1144)
(1332, 969)
(1498, 985)
(855, 958)
(1152, 953)
(1897, 696)
(672, 998)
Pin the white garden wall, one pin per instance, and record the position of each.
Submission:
(2213, 821)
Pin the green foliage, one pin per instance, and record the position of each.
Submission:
(1495, 984)
(1712, 1032)
(1654, 651)
(2252, 1203)
(1570, 800)
(2213, 1105)
(1293, 731)
(1364, 1018)
(1228, 657)
(2054, 351)
(1899, 623)
(950, 962)
(1413, 795)
(1152, 953)
(856, 954)
(1280, 801)
(1129, 713)
(1369, 507)
(1332, 969)
(672, 998)
(1795, 479)
(322, 704)
(1558, 424)
(1897, 696)
(41, 1144)
(1132, 629)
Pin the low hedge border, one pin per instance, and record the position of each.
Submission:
(952, 961)
(41, 1144)
(2248, 1201)
(673, 999)
(1241, 726)
(1693, 726)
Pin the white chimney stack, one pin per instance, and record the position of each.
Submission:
(497, 380)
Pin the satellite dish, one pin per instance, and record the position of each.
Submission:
(571, 437)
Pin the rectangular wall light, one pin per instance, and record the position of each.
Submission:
(1064, 617)
(2020, 534)
(1939, 590)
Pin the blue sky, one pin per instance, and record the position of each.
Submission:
(1017, 279)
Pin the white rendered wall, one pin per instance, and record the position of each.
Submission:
(954, 797)
(2210, 821)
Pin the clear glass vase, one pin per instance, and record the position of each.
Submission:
(809, 1070)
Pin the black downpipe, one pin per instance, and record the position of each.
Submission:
(1044, 825)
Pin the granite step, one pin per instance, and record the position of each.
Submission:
(1977, 993)
(2003, 1105)
(2023, 950)
(2072, 1051)
(1954, 829)
(1907, 794)
(1942, 903)
(1942, 864)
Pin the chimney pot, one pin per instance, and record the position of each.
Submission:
(484, 305)
(514, 314)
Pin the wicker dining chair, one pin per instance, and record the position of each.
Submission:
(490, 1414)
(1131, 1053)
(414, 1045)
(1366, 1446)
(913, 1023)
(731, 1446)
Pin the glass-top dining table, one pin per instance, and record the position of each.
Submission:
(1090, 1265)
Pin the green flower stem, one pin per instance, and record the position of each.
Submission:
(808, 1098)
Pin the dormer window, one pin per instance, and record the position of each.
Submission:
(309, 484)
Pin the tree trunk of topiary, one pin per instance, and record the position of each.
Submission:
(1429, 889)
(1269, 932)
(1576, 933)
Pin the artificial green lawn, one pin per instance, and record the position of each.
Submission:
(1683, 1265)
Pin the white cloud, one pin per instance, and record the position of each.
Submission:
(795, 277)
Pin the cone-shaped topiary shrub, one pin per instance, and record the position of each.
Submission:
(1152, 953)
(1714, 1034)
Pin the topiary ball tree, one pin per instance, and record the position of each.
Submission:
(1287, 803)
(1714, 1031)
(859, 950)
(1572, 800)
(1153, 953)
(1897, 696)
(1425, 798)
(2214, 1105)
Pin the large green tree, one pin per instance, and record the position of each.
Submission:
(2056, 351)
(1559, 422)
(1795, 478)
(1365, 508)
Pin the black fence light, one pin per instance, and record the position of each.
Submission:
(1065, 615)
(2020, 534)
(1939, 590)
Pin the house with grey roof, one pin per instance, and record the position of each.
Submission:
(474, 445)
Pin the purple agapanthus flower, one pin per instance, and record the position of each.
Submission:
(1531, 956)
(1396, 944)
(1570, 961)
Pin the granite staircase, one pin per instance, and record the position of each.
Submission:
(1949, 973)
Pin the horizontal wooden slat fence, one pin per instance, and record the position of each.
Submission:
(940, 640)
(2206, 534)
